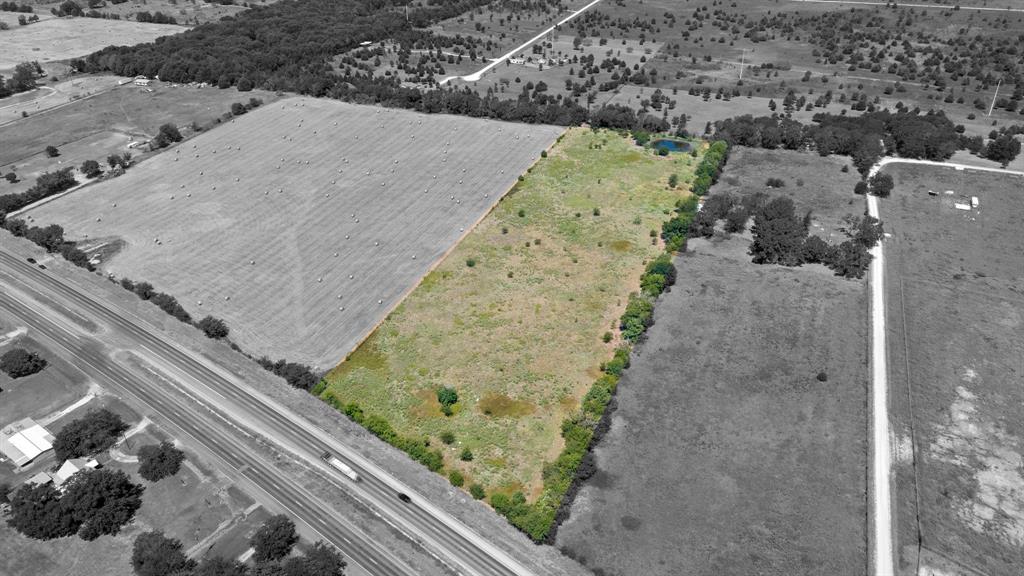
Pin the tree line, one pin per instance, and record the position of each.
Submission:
(154, 554)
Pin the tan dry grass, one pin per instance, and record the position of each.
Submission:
(519, 333)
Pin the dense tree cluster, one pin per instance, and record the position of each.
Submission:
(90, 434)
(158, 461)
(781, 237)
(865, 138)
(15, 7)
(93, 503)
(18, 363)
(46, 185)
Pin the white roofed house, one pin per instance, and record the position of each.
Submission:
(70, 467)
(22, 442)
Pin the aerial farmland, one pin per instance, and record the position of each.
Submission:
(55, 39)
(303, 223)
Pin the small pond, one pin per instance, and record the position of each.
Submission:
(671, 145)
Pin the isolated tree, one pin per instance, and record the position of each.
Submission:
(101, 501)
(91, 168)
(244, 84)
(213, 327)
(18, 363)
(11, 177)
(154, 554)
(23, 79)
(880, 185)
(52, 151)
(158, 461)
(92, 433)
(673, 180)
(778, 234)
(861, 188)
(36, 512)
(274, 539)
(170, 132)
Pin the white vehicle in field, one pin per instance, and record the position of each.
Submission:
(340, 466)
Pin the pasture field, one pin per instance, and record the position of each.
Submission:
(50, 95)
(513, 318)
(115, 112)
(56, 387)
(727, 454)
(956, 323)
(53, 39)
(304, 222)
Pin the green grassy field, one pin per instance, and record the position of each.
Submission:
(513, 318)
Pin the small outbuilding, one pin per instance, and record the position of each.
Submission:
(71, 467)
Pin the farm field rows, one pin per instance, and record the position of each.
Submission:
(53, 39)
(303, 222)
(956, 322)
(513, 318)
(727, 453)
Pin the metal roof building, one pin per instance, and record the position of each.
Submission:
(24, 441)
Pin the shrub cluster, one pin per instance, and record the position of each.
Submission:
(418, 449)
(295, 374)
(165, 302)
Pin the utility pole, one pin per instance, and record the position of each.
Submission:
(994, 96)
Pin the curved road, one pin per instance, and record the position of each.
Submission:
(882, 557)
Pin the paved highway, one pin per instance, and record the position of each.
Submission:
(233, 400)
(228, 448)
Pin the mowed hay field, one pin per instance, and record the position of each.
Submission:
(53, 39)
(955, 293)
(513, 318)
(303, 222)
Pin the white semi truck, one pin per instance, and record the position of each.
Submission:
(340, 466)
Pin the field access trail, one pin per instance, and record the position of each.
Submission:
(479, 73)
(881, 467)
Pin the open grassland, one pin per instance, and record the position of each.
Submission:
(302, 223)
(955, 291)
(53, 39)
(113, 112)
(727, 454)
(513, 318)
(54, 388)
